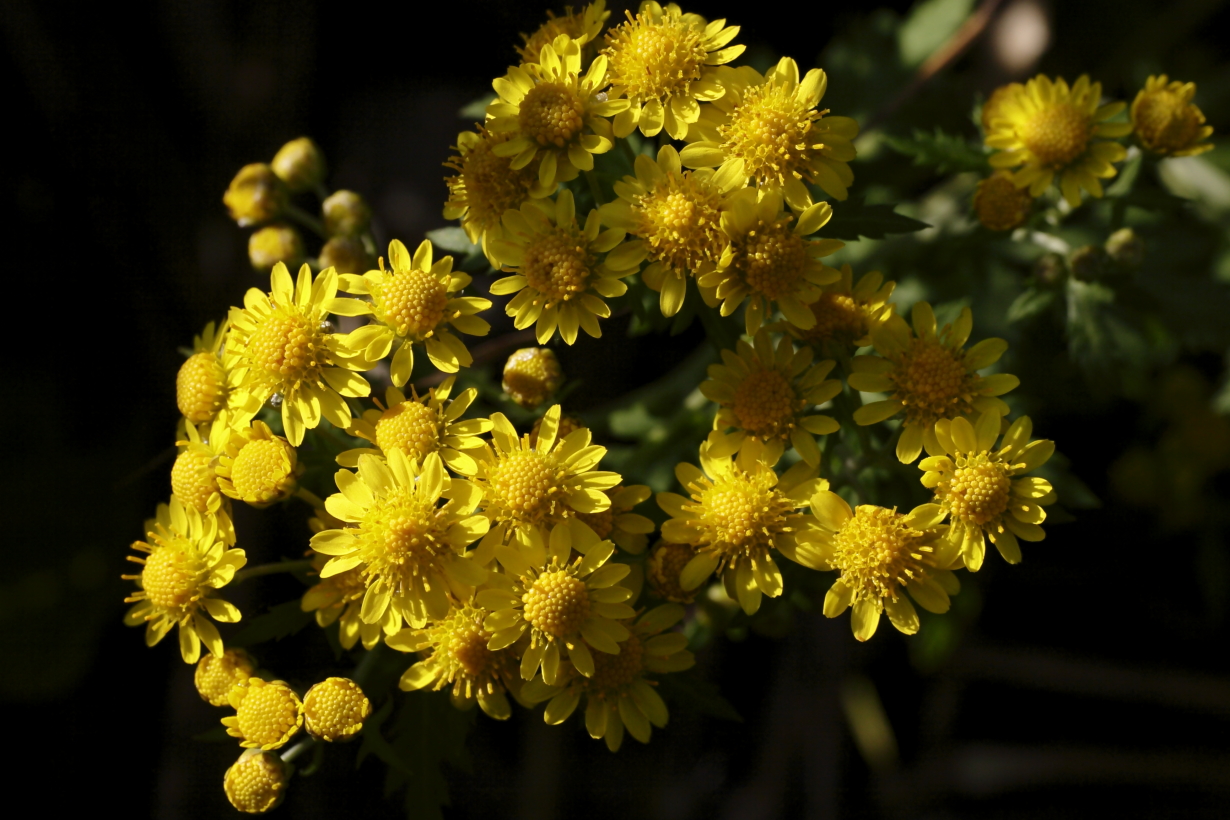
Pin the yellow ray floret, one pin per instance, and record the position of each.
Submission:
(584, 26)
(1167, 122)
(340, 598)
(846, 313)
(618, 523)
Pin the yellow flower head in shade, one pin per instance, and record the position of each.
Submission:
(411, 548)
(677, 215)
(340, 598)
(619, 695)
(984, 491)
(764, 393)
(267, 714)
(566, 606)
(768, 130)
(282, 342)
(846, 312)
(216, 674)
(334, 710)
(771, 262)
(486, 186)
(662, 60)
(880, 555)
(411, 305)
(187, 562)
(1166, 121)
(618, 523)
(455, 656)
(205, 384)
(929, 376)
(567, 424)
(663, 568)
(1000, 204)
(584, 26)
(557, 275)
(555, 112)
(737, 515)
(532, 375)
(255, 195)
(420, 425)
(256, 466)
(256, 783)
(1052, 129)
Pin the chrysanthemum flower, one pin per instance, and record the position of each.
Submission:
(430, 423)
(267, 714)
(206, 383)
(618, 523)
(767, 130)
(846, 313)
(340, 598)
(984, 490)
(566, 606)
(194, 477)
(411, 549)
(215, 675)
(928, 376)
(1166, 121)
(663, 568)
(619, 694)
(584, 26)
(557, 275)
(677, 214)
(456, 657)
(737, 515)
(411, 305)
(188, 563)
(255, 466)
(764, 394)
(553, 110)
(1052, 129)
(283, 346)
(256, 783)
(334, 710)
(880, 555)
(531, 376)
(662, 60)
(1000, 204)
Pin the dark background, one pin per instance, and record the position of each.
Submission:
(1092, 678)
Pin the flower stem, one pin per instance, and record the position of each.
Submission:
(272, 569)
(306, 220)
(594, 191)
(294, 751)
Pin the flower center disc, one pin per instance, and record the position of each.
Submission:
(600, 522)
(1056, 135)
(552, 114)
(171, 578)
(558, 264)
(491, 186)
(411, 427)
(773, 259)
(411, 302)
(193, 478)
(260, 468)
(200, 387)
(681, 221)
(556, 604)
(979, 491)
(932, 382)
(525, 482)
(875, 551)
(769, 132)
(287, 346)
(266, 714)
(1164, 120)
(655, 60)
(468, 648)
(737, 515)
(838, 318)
(613, 672)
(765, 404)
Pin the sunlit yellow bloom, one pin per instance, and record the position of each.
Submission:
(619, 694)
(583, 26)
(880, 555)
(334, 710)
(770, 261)
(340, 598)
(255, 195)
(929, 376)
(215, 675)
(283, 346)
(188, 563)
(194, 477)
(553, 110)
(1052, 129)
(663, 568)
(984, 490)
(1167, 122)
(677, 215)
(557, 275)
(267, 713)
(662, 60)
(205, 384)
(999, 204)
(256, 783)
(618, 523)
(410, 304)
(531, 376)
(257, 467)
(768, 130)
(846, 312)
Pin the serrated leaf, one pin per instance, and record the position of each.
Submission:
(854, 218)
(1030, 303)
(453, 240)
(946, 153)
(279, 622)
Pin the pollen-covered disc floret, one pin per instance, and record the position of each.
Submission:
(216, 675)
(334, 710)
(206, 382)
(584, 26)
(256, 466)
(267, 713)
(256, 783)
(1165, 120)
(846, 313)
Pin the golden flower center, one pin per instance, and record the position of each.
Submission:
(665, 565)
(1000, 205)
(571, 24)
(172, 577)
(552, 114)
(876, 551)
(766, 404)
(255, 783)
(408, 535)
(601, 523)
(932, 382)
(531, 375)
(978, 491)
(1057, 134)
(613, 672)
(215, 677)
(556, 603)
(193, 479)
(335, 708)
(741, 515)
(467, 647)
(288, 347)
(839, 318)
(772, 259)
(1165, 121)
(653, 60)
(486, 183)
(412, 302)
(769, 131)
(200, 387)
(267, 714)
(261, 470)
(412, 427)
(680, 219)
(558, 264)
(527, 484)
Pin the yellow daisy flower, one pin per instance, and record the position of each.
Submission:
(420, 425)
(928, 376)
(1050, 129)
(553, 110)
(339, 598)
(283, 346)
(984, 490)
(194, 476)
(557, 277)
(578, 604)
(412, 550)
(411, 305)
(1166, 121)
(663, 568)
(999, 204)
(620, 694)
(188, 562)
(267, 714)
(846, 313)
(767, 130)
(206, 383)
(583, 26)
(618, 523)
(255, 466)
(662, 60)
(880, 555)
(677, 216)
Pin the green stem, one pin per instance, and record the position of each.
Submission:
(594, 191)
(272, 569)
(306, 220)
(368, 662)
(294, 751)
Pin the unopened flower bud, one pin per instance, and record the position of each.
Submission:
(273, 244)
(256, 783)
(256, 194)
(1050, 270)
(335, 709)
(1126, 247)
(216, 676)
(300, 164)
(1000, 204)
(1088, 264)
(346, 214)
(531, 376)
(346, 254)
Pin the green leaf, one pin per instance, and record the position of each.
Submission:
(946, 153)
(453, 240)
(1030, 303)
(429, 732)
(279, 622)
(688, 690)
(854, 218)
(928, 26)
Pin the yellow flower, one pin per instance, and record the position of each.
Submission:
(663, 568)
(334, 710)
(255, 466)
(662, 60)
(1167, 122)
(619, 695)
(772, 262)
(188, 562)
(455, 655)
(618, 523)
(846, 313)
(256, 783)
(583, 26)
(215, 675)
(194, 477)
(206, 383)
(557, 275)
(421, 425)
(567, 424)
(340, 598)
(531, 376)
(737, 515)
(928, 376)
(1051, 129)
(764, 393)
(983, 490)
(769, 131)
(256, 194)
(267, 714)
(880, 555)
(1000, 204)
(577, 604)
(677, 215)
(273, 244)
(411, 305)
(552, 110)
